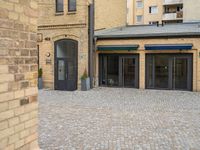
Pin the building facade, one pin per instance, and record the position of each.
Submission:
(191, 13)
(18, 75)
(64, 48)
(162, 11)
(110, 13)
(63, 42)
(149, 57)
(64, 24)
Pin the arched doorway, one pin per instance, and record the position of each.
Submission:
(66, 64)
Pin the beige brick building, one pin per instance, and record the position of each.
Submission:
(57, 22)
(66, 29)
(64, 53)
(18, 75)
(110, 13)
(167, 11)
(149, 57)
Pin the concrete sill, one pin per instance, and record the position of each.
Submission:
(71, 13)
(59, 13)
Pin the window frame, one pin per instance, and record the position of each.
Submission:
(137, 2)
(153, 8)
(58, 11)
(69, 8)
(140, 20)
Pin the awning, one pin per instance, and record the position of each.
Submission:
(168, 46)
(117, 47)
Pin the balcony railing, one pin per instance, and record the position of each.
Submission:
(173, 16)
(172, 2)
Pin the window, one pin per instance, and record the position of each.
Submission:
(71, 5)
(153, 22)
(139, 18)
(153, 9)
(139, 4)
(59, 6)
(179, 8)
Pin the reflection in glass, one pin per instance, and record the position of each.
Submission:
(129, 72)
(104, 70)
(113, 70)
(161, 71)
(71, 70)
(72, 5)
(65, 49)
(61, 70)
(59, 6)
(150, 72)
(180, 73)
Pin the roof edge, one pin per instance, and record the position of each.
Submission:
(195, 34)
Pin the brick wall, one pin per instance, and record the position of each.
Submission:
(110, 13)
(18, 74)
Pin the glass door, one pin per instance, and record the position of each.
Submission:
(129, 71)
(119, 70)
(161, 71)
(62, 74)
(129, 74)
(181, 73)
(109, 70)
(66, 65)
(157, 71)
(61, 70)
(169, 71)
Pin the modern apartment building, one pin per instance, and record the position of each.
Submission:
(162, 11)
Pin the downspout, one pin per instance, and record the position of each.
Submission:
(91, 41)
(95, 61)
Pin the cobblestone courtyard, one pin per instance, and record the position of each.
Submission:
(119, 119)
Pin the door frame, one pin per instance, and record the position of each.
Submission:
(121, 72)
(189, 71)
(65, 59)
(188, 56)
(120, 56)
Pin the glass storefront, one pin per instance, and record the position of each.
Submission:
(165, 71)
(119, 70)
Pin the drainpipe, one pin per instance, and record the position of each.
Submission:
(91, 41)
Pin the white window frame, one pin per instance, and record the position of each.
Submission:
(139, 2)
(154, 9)
(138, 20)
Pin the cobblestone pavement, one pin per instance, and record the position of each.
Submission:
(119, 119)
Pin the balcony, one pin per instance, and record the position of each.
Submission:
(173, 16)
(172, 2)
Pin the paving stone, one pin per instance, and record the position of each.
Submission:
(119, 119)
